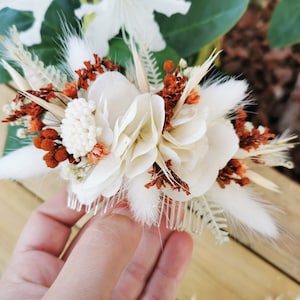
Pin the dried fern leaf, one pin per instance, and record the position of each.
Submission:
(211, 215)
(151, 68)
(36, 73)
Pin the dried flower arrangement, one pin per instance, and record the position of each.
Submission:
(173, 145)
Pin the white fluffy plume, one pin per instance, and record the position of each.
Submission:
(77, 49)
(242, 204)
(23, 163)
(144, 202)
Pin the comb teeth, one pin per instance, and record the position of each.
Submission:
(178, 215)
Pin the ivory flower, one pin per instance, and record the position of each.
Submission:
(136, 125)
(134, 16)
(202, 140)
(32, 35)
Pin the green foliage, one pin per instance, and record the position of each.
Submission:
(120, 53)
(59, 12)
(4, 76)
(21, 19)
(284, 29)
(205, 21)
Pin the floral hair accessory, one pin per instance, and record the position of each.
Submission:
(174, 145)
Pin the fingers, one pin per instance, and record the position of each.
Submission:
(49, 227)
(168, 274)
(96, 262)
(137, 272)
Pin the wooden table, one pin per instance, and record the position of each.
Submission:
(240, 269)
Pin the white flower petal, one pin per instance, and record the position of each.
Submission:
(143, 27)
(222, 144)
(106, 21)
(138, 132)
(105, 179)
(23, 163)
(116, 90)
(188, 131)
(241, 203)
(135, 16)
(219, 145)
(141, 163)
(169, 7)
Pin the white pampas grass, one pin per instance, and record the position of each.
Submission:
(23, 163)
(77, 50)
(223, 96)
(144, 202)
(244, 206)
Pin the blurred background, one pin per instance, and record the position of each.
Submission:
(273, 73)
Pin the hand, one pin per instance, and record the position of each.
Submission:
(112, 257)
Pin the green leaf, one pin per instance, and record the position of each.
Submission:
(12, 142)
(204, 23)
(284, 29)
(59, 15)
(21, 19)
(4, 76)
(119, 53)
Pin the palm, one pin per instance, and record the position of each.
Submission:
(39, 269)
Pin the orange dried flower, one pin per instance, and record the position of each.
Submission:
(35, 125)
(250, 139)
(173, 87)
(91, 70)
(49, 133)
(47, 144)
(98, 152)
(61, 154)
(168, 66)
(159, 179)
(37, 141)
(233, 171)
(70, 90)
(51, 162)
(193, 97)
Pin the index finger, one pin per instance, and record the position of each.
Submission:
(49, 227)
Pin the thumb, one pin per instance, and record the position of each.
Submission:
(99, 257)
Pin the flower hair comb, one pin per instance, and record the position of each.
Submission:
(174, 144)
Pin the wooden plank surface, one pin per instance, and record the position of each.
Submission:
(231, 271)
(216, 272)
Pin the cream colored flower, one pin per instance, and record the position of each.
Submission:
(136, 121)
(202, 140)
(134, 16)
(138, 132)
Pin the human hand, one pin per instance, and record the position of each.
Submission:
(112, 257)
